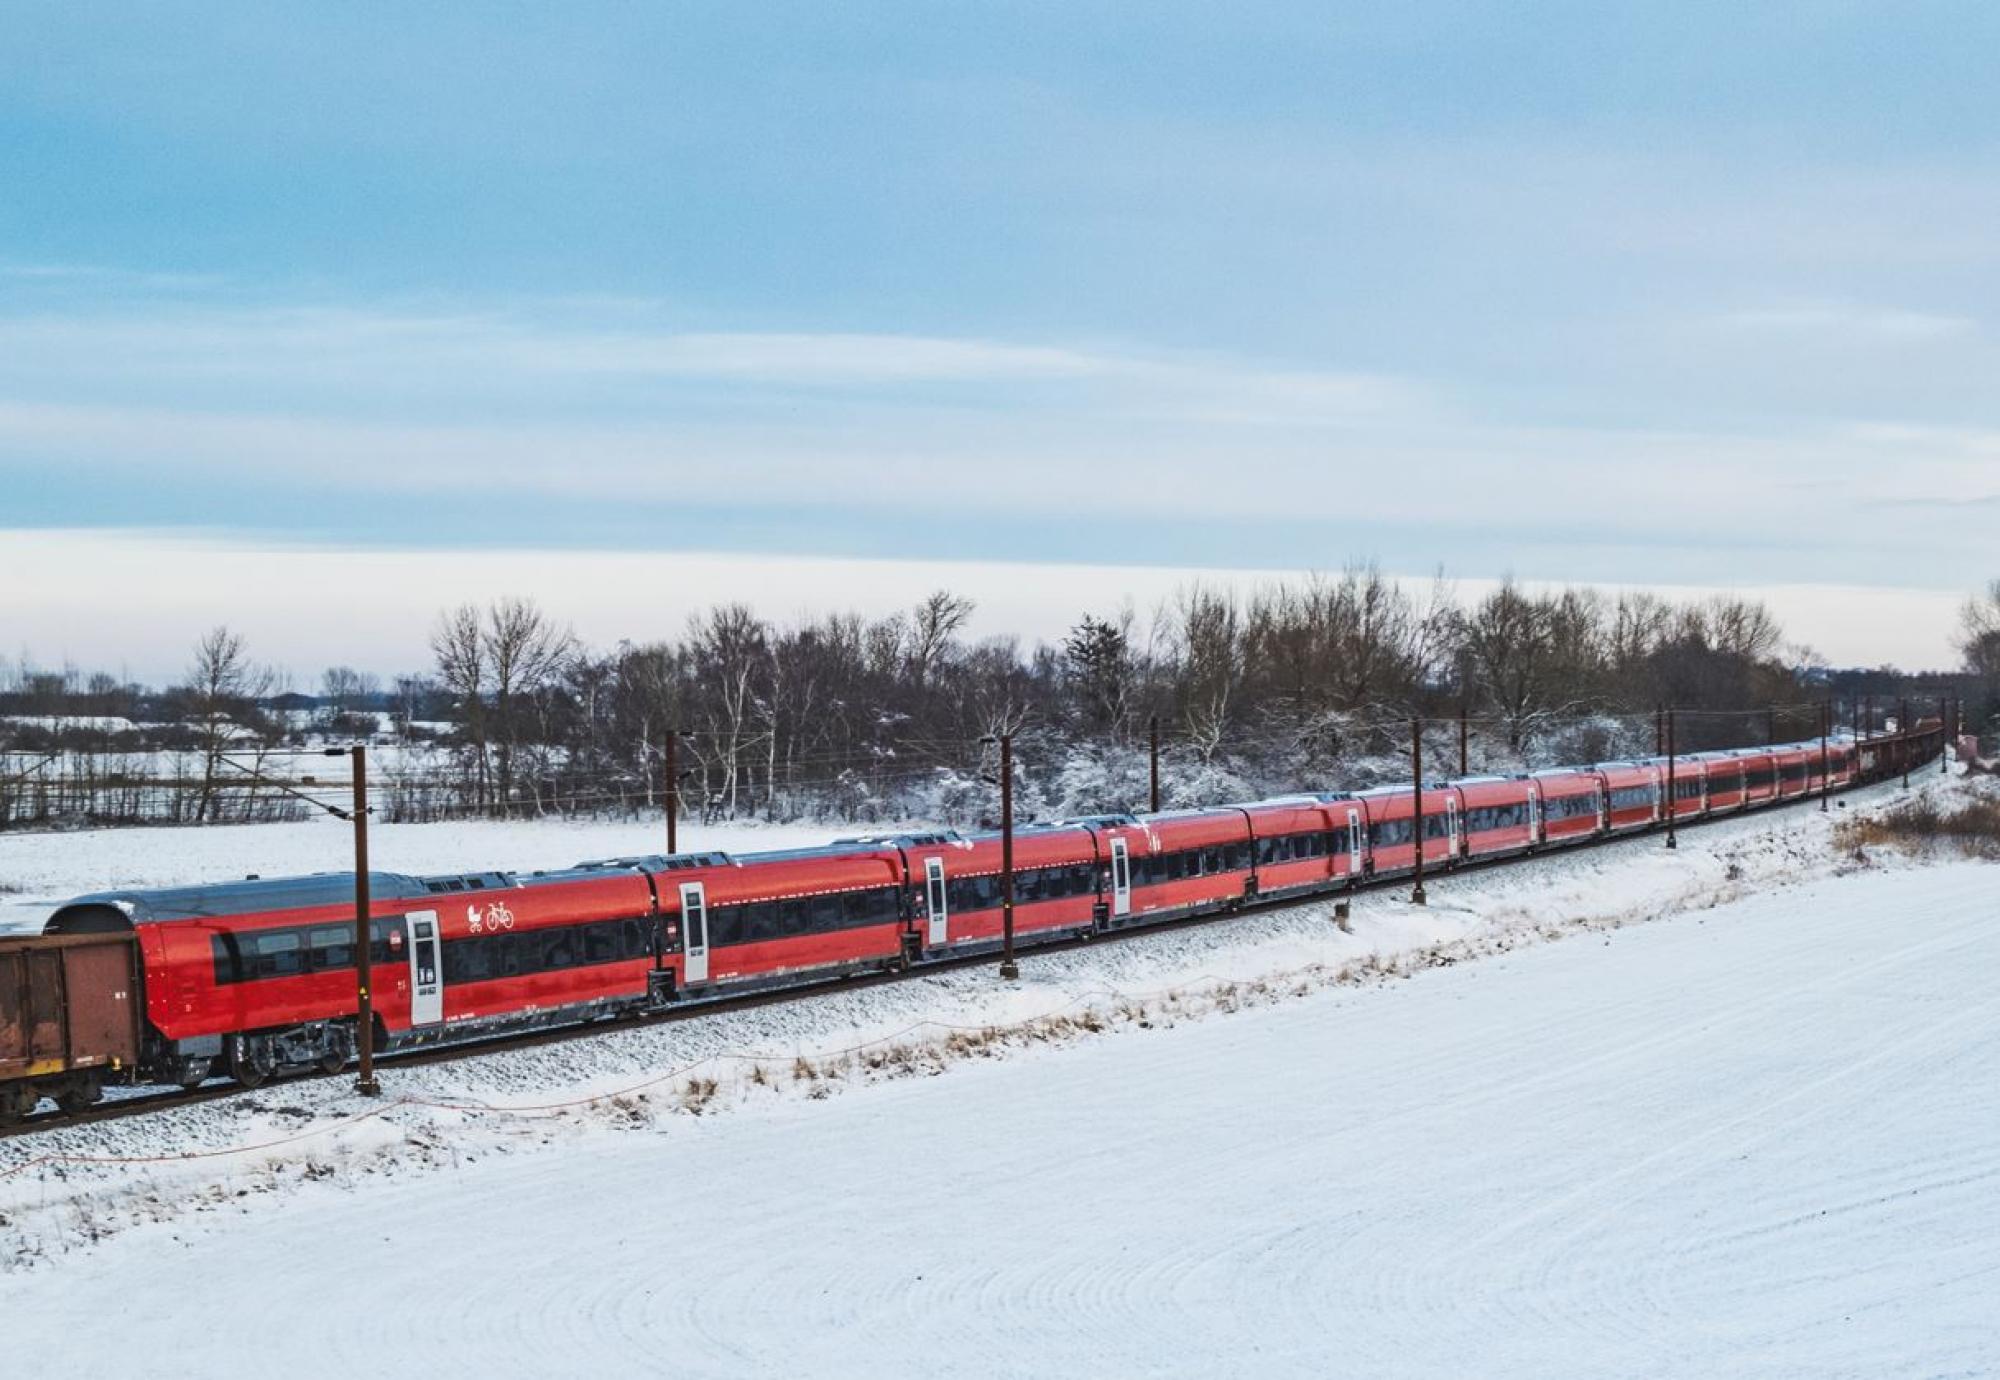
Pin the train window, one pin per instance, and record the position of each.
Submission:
(727, 925)
(777, 919)
(274, 953)
(228, 967)
(332, 947)
(638, 939)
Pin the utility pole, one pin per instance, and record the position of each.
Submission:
(1944, 736)
(1659, 730)
(1825, 762)
(1008, 968)
(364, 973)
(1153, 793)
(1868, 723)
(1771, 726)
(1903, 733)
(1673, 792)
(1417, 896)
(673, 791)
(1462, 768)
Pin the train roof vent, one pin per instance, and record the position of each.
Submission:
(929, 839)
(681, 862)
(1110, 821)
(469, 881)
(654, 862)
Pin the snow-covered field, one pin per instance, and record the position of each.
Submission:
(1754, 1137)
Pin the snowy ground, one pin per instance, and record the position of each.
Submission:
(1752, 1138)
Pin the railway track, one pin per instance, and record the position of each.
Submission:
(161, 1099)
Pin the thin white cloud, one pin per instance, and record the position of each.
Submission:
(305, 347)
(1846, 322)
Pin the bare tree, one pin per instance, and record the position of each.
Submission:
(731, 652)
(1979, 625)
(524, 650)
(223, 686)
(1507, 642)
(458, 643)
(933, 625)
(1211, 665)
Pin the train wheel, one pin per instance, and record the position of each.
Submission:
(17, 1100)
(333, 1061)
(250, 1061)
(81, 1093)
(191, 1072)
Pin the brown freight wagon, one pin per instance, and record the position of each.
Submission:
(69, 1018)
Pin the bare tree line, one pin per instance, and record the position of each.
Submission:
(1289, 684)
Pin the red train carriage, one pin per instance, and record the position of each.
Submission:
(1307, 843)
(1392, 832)
(1633, 795)
(1499, 815)
(1818, 766)
(1190, 861)
(1724, 772)
(1760, 775)
(1573, 806)
(255, 975)
(528, 949)
(1794, 773)
(1689, 786)
(769, 918)
(258, 975)
(955, 885)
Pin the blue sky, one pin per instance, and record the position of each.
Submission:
(1700, 294)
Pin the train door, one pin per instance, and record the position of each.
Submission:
(935, 899)
(1354, 843)
(1121, 878)
(426, 969)
(1603, 794)
(694, 932)
(1537, 826)
(1454, 833)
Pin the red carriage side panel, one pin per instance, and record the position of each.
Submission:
(1056, 886)
(1189, 861)
(1392, 827)
(1633, 794)
(1760, 777)
(775, 916)
(1498, 815)
(547, 943)
(1306, 845)
(1689, 788)
(1573, 804)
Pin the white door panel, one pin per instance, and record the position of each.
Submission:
(694, 932)
(936, 900)
(426, 968)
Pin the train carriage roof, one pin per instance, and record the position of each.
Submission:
(111, 910)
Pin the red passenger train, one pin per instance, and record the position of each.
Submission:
(256, 977)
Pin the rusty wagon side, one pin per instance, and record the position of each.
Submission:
(70, 1018)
